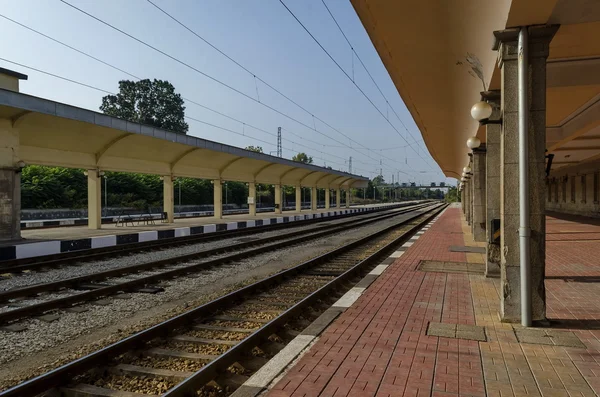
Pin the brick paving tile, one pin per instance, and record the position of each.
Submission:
(378, 347)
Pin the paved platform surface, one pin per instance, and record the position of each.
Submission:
(379, 346)
(72, 232)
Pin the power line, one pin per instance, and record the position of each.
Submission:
(256, 77)
(187, 117)
(367, 70)
(138, 78)
(213, 78)
(349, 78)
(57, 76)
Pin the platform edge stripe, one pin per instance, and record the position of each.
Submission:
(349, 297)
(182, 231)
(378, 270)
(8, 253)
(397, 254)
(37, 249)
(149, 235)
(104, 241)
(264, 376)
(75, 245)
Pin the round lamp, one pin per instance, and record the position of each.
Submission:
(481, 111)
(473, 142)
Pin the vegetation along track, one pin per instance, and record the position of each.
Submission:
(211, 349)
(77, 290)
(65, 258)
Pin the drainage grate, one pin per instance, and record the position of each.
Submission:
(466, 248)
(451, 267)
(551, 337)
(457, 331)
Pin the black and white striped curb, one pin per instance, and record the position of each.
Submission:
(270, 372)
(27, 250)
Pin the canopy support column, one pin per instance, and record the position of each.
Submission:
(252, 198)
(278, 199)
(313, 198)
(94, 186)
(338, 198)
(327, 198)
(298, 198)
(10, 183)
(218, 199)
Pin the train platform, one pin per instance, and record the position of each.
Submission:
(54, 240)
(384, 345)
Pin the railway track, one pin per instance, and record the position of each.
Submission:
(68, 293)
(61, 259)
(212, 349)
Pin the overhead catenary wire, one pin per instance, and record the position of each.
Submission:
(366, 69)
(139, 78)
(218, 81)
(349, 77)
(256, 77)
(187, 117)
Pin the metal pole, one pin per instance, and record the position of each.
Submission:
(524, 230)
(179, 195)
(225, 193)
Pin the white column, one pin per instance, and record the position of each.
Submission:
(327, 198)
(252, 198)
(218, 199)
(313, 198)
(348, 198)
(298, 198)
(10, 182)
(338, 198)
(168, 199)
(94, 199)
(278, 199)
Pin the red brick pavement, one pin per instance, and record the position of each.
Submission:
(378, 347)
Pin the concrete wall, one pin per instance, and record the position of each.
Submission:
(584, 182)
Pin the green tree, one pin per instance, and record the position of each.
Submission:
(378, 180)
(257, 149)
(452, 196)
(303, 158)
(151, 102)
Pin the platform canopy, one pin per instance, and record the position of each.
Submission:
(57, 134)
(439, 55)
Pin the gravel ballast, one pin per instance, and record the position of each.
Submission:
(70, 334)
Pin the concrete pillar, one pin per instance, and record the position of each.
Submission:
(10, 182)
(94, 185)
(168, 198)
(298, 198)
(218, 199)
(327, 198)
(313, 198)
(539, 40)
(479, 226)
(462, 198)
(252, 198)
(278, 199)
(348, 198)
(492, 184)
(338, 198)
(468, 201)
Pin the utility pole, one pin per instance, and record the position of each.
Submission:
(392, 179)
(350, 165)
(279, 147)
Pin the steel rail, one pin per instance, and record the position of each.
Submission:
(64, 373)
(71, 300)
(63, 258)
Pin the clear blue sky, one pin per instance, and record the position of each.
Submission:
(259, 34)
